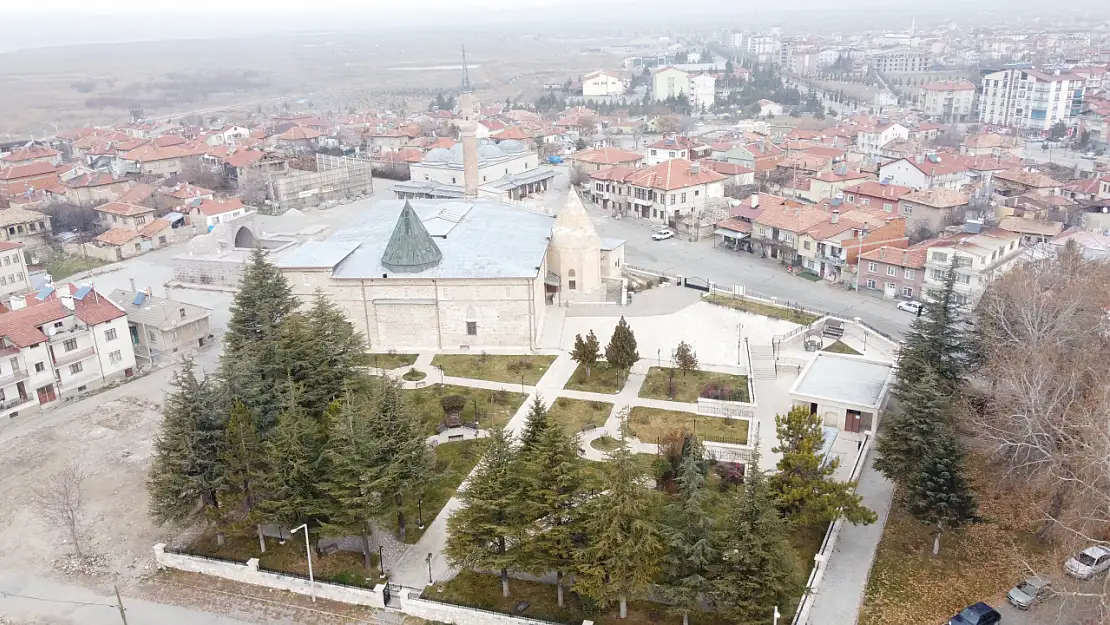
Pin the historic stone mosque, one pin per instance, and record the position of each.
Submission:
(471, 273)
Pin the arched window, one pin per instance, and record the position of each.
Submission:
(571, 284)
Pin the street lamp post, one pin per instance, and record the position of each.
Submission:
(429, 561)
(420, 513)
(308, 553)
(777, 615)
(522, 383)
(381, 560)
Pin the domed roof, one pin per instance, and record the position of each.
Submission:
(512, 146)
(490, 151)
(438, 155)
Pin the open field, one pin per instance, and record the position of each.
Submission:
(572, 414)
(651, 425)
(688, 386)
(603, 379)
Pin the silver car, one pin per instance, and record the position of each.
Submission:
(1029, 593)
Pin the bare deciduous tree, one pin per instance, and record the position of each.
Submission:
(58, 499)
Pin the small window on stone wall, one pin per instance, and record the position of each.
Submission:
(571, 283)
(471, 328)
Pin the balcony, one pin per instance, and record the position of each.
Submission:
(73, 381)
(69, 358)
(835, 261)
(16, 376)
(15, 402)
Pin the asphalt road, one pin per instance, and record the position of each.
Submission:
(761, 276)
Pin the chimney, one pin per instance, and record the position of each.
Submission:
(755, 200)
(133, 285)
(16, 303)
(65, 295)
(835, 216)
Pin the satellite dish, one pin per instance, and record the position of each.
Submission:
(1105, 209)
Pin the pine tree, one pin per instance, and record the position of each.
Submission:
(804, 489)
(401, 449)
(937, 338)
(759, 570)
(354, 479)
(623, 555)
(685, 358)
(689, 528)
(260, 307)
(293, 474)
(186, 470)
(536, 424)
(586, 352)
(338, 350)
(550, 496)
(940, 494)
(241, 464)
(485, 528)
(621, 350)
(912, 430)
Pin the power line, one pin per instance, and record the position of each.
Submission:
(13, 594)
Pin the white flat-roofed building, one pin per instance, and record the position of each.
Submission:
(848, 392)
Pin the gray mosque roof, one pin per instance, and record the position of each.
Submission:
(410, 249)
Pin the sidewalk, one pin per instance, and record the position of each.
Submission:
(841, 593)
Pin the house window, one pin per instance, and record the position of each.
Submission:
(472, 328)
(866, 201)
(891, 271)
(39, 367)
(890, 286)
(152, 336)
(872, 267)
(115, 357)
(805, 245)
(161, 240)
(182, 312)
(907, 291)
(938, 274)
(683, 200)
(70, 345)
(888, 208)
(851, 198)
(7, 260)
(76, 368)
(110, 334)
(140, 220)
(940, 257)
(571, 283)
(870, 284)
(672, 199)
(670, 154)
(138, 247)
(910, 274)
(907, 209)
(653, 153)
(115, 219)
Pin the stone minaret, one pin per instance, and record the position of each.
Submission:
(468, 129)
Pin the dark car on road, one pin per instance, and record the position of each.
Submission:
(978, 614)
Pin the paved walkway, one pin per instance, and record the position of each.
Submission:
(839, 597)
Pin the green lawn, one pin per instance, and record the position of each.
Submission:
(388, 362)
(481, 590)
(345, 567)
(839, 347)
(572, 414)
(61, 265)
(494, 407)
(508, 369)
(603, 379)
(651, 425)
(759, 308)
(604, 443)
(454, 461)
(689, 386)
(414, 375)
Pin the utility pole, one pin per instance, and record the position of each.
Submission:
(119, 604)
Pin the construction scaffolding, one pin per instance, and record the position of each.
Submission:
(337, 179)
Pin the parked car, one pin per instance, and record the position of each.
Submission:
(978, 614)
(1029, 593)
(1089, 562)
(1089, 156)
(910, 306)
(662, 235)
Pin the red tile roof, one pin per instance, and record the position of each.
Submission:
(219, 207)
(728, 169)
(673, 174)
(516, 132)
(141, 191)
(874, 188)
(154, 228)
(7, 246)
(618, 173)
(91, 179)
(124, 210)
(677, 143)
(22, 326)
(606, 156)
(118, 236)
(16, 172)
(911, 258)
(30, 152)
(297, 133)
(150, 153)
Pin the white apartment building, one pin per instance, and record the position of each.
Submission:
(978, 257)
(14, 278)
(669, 82)
(900, 61)
(870, 140)
(601, 84)
(1030, 100)
(949, 101)
(58, 344)
(702, 91)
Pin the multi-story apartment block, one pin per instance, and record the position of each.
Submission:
(663, 193)
(895, 271)
(14, 277)
(900, 61)
(949, 101)
(57, 344)
(669, 82)
(975, 257)
(1030, 100)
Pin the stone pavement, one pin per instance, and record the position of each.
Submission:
(841, 592)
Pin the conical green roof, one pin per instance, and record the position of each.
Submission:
(411, 249)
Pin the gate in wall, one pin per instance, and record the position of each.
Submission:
(698, 284)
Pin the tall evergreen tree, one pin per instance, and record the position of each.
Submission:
(401, 449)
(937, 338)
(586, 351)
(186, 470)
(621, 350)
(535, 426)
(260, 307)
(912, 431)
(242, 465)
(759, 571)
(485, 528)
(293, 475)
(551, 496)
(338, 349)
(354, 479)
(623, 555)
(940, 494)
(804, 488)
(689, 528)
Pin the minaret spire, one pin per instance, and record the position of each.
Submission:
(466, 86)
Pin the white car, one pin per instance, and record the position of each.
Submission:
(1089, 562)
(910, 306)
(662, 235)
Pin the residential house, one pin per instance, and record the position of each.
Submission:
(160, 327)
(602, 84)
(1018, 181)
(1087, 188)
(14, 277)
(932, 209)
(25, 226)
(878, 195)
(666, 192)
(828, 184)
(212, 212)
(895, 271)
(989, 144)
(608, 189)
(735, 175)
(948, 101)
(676, 146)
(669, 82)
(59, 344)
(588, 161)
(870, 140)
(117, 215)
(778, 230)
(32, 153)
(153, 160)
(977, 257)
(736, 230)
(89, 188)
(38, 175)
(760, 155)
(298, 139)
(931, 172)
(1032, 231)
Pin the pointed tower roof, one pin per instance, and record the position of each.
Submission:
(573, 226)
(410, 249)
